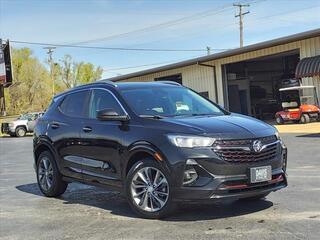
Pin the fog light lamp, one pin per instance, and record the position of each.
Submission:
(190, 175)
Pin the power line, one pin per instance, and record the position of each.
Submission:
(159, 26)
(137, 66)
(111, 48)
(253, 20)
(150, 64)
(166, 24)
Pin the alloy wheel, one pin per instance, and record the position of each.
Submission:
(149, 189)
(21, 132)
(45, 173)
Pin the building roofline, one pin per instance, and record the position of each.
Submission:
(249, 48)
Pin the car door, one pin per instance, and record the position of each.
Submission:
(64, 130)
(102, 140)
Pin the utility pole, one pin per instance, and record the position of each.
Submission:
(208, 50)
(240, 15)
(50, 60)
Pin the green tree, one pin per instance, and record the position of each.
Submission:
(29, 91)
(71, 74)
(32, 84)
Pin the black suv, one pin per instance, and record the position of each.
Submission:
(159, 143)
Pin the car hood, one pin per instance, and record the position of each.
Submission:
(226, 126)
(19, 122)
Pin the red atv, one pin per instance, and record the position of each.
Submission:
(300, 104)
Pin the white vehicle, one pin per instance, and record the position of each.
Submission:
(22, 125)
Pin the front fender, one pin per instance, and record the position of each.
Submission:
(145, 147)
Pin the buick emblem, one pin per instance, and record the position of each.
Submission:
(257, 145)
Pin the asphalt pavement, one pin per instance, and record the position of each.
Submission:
(86, 212)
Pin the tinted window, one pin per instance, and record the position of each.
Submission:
(101, 100)
(74, 104)
(169, 102)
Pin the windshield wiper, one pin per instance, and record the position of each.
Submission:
(194, 114)
(151, 116)
(203, 114)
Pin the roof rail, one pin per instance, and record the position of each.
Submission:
(83, 86)
(171, 83)
(106, 81)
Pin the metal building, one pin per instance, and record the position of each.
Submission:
(246, 79)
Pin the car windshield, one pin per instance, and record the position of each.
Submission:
(24, 117)
(307, 96)
(168, 102)
(28, 116)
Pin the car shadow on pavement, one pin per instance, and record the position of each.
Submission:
(7, 136)
(117, 204)
(311, 135)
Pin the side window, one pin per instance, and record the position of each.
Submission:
(74, 104)
(101, 100)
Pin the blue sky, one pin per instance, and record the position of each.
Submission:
(72, 22)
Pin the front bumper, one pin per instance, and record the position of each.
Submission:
(231, 187)
(6, 129)
(219, 180)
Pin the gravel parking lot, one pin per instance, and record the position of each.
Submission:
(86, 212)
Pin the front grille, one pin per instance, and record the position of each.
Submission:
(239, 151)
(4, 127)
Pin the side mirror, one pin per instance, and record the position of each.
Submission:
(111, 115)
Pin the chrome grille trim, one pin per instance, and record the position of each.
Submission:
(240, 151)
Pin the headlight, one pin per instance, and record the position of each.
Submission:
(10, 124)
(277, 134)
(190, 141)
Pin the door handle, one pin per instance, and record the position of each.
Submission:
(87, 129)
(55, 125)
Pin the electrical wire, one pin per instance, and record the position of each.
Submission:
(111, 48)
(167, 24)
(145, 65)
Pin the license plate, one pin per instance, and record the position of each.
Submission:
(260, 174)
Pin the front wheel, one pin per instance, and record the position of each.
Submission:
(279, 120)
(148, 189)
(48, 176)
(20, 132)
(305, 118)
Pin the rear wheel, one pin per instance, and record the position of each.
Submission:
(305, 118)
(148, 189)
(48, 176)
(279, 120)
(20, 132)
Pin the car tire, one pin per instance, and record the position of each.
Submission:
(20, 132)
(49, 177)
(148, 203)
(279, 120)
(305, 118)
(255, 198)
